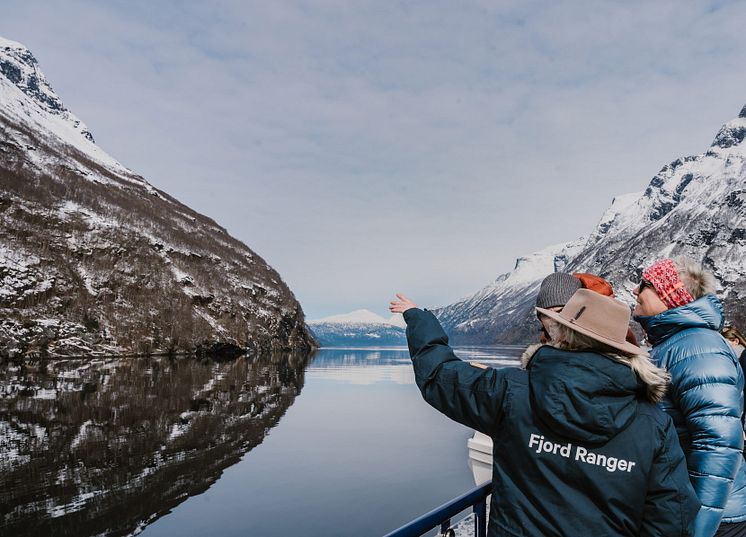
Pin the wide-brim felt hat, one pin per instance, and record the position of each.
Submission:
(599, 317)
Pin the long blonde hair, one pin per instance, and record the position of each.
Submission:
(654, 378)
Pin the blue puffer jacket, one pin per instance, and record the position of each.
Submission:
(705, 401)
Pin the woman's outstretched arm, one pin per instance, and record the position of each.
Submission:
(469, 395)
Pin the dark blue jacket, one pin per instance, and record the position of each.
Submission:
(576, 450)
(705, 401)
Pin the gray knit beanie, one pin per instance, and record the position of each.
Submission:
(556, 289)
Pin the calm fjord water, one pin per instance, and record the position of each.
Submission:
(336, 445)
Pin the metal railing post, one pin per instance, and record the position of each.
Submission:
(475, 498)
(480, 518)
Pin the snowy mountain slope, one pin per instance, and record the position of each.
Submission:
(28, 99)
(692, 207)
(95, 259)
(360, 328)
(695, 206)
(500, 308)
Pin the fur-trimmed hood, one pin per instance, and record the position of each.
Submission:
(529, 353)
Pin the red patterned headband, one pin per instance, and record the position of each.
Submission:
(665, 278)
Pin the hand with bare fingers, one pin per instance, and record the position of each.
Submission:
(401, 305)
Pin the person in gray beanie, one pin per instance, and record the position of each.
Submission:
(556, 289)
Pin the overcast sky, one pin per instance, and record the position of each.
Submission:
(369, 147)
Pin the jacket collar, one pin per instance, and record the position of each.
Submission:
(705, 312)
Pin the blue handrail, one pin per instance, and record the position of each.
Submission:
(476, 497)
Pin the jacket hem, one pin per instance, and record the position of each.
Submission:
(734, 519)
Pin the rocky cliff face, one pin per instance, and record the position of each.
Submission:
(695, 206)
(93, 259)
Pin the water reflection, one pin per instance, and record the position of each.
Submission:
(91, 447)
(372, 365)
(366, 367)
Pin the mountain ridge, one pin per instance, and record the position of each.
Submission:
(359, 328)
(694, 206)
(94, 259)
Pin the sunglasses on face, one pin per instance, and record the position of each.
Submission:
(643, 284)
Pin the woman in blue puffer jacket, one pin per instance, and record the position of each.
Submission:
(682, 319)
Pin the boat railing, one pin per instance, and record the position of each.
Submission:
(475, 498)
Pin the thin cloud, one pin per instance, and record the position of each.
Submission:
(366, 148)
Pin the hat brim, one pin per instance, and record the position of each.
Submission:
(626, 346)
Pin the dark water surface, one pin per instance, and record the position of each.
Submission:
(338, 444)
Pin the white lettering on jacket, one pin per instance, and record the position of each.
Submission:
(583, 455)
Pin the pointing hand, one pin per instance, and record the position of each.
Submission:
(401, 305)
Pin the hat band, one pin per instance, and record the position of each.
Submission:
(572, 321)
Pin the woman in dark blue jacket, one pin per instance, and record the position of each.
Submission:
(580, 448)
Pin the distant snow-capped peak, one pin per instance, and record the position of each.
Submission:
(397, 319)
(362, 316)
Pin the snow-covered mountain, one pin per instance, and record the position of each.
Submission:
(499, 308)
(694, 206)
(360, 328)
(94, 259)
